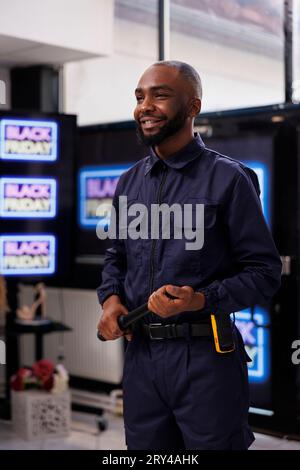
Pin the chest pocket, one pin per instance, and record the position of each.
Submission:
(197, 231)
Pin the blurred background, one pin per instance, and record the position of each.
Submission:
(68, 70)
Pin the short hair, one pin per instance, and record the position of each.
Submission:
(187, 71)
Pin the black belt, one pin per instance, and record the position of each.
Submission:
(184, 330)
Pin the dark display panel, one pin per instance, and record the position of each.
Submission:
(265, 140)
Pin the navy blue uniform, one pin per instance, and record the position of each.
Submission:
(180, 393)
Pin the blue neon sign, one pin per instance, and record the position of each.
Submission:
(27, 197)
(262, 173)
(25, 139)
(96, 191)
(27, 254)
(256, 337)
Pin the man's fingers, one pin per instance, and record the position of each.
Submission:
(155, 303)
(152, 305)
(109, 335)
(128, 336)
(183, 292)
(109, 331)
(124, 311)
(169, 300)
(160, 304)
(174, 291)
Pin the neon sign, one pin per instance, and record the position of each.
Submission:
(96, 191)
(27, 254)
(28, 140)
(27, 197)
(262, 175)
(256, 337)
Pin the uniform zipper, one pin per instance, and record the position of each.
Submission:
(153, 244)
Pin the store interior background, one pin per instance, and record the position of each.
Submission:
(77, 62)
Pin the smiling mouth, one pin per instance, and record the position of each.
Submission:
(150, 123)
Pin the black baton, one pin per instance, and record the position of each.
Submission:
(124, 321)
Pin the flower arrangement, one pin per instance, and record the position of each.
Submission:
(43, 375)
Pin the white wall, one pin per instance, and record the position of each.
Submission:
(102, 89)
(232, 78)
(84, 25)
(4, 88)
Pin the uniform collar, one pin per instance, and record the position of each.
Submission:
(179, 159)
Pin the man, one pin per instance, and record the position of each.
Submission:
(179, 392)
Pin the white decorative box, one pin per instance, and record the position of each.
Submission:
(38, 415)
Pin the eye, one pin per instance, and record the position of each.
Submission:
(161, 95)
(139, 99)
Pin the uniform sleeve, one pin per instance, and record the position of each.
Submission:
(115, 264)
(253, 251)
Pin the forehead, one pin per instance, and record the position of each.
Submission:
(162, 75)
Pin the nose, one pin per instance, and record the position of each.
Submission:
(146, 105)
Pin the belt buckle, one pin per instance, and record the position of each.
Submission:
(155, 325)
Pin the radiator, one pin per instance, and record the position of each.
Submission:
(85, 356)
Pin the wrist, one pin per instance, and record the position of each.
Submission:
(112, 299)
(198, 301)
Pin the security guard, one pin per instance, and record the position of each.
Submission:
(180, 392)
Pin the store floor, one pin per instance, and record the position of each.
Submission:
(85, 435)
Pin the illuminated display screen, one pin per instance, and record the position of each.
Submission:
(256, 337)
(27, 254)
(262, 174)
(27, 197)
(28, 140)
(96, 190)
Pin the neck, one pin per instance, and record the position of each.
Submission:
(174, 143)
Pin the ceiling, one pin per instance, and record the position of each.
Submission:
(16, 52)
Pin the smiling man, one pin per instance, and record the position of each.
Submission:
(180, 390)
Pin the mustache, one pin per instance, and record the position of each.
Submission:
(143, 116)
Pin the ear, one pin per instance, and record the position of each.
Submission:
(195, 107)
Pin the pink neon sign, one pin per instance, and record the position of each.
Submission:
(33, 191)
(26, 248)
(36, 134)
(101, 187)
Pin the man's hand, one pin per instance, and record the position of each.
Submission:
(108, 325)
(187, 300)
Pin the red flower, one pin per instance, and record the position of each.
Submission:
(43, 369)
(48, 383)
(41, 376)
(17, 383)
(24, 372)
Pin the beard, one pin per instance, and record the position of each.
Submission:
(169, 129)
